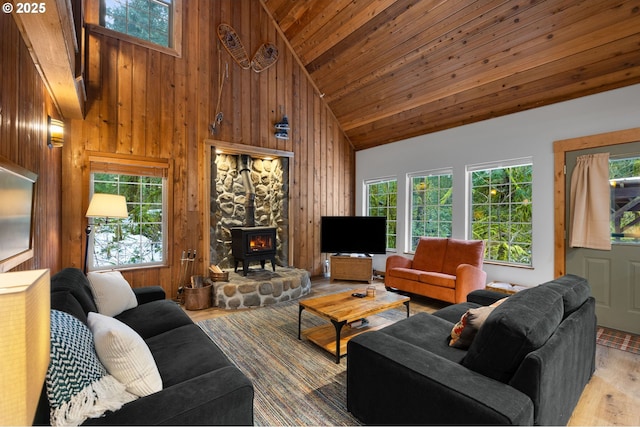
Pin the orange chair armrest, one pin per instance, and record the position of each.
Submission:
(395, 261)
(469, 278)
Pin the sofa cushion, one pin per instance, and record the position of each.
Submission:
(154, 318)
(438, 279)
(78, 385)
(125, 355)
(462, 252)
(405, 273)
(452, 313)
(430, 254)
(465, 330)
(63, 300)
(74, 280)
(111, 292)
(426, 332)
(186, 346)
(520, 325)
(574, 290)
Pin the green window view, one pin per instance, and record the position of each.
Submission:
(382, 200)
(431, 206)
(501, 212)
(145, 19)
(138, 239)
(624, 177)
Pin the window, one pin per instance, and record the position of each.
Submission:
(431, 205)
(144, 19)
(382, 200)
(501, 210)
(140, 239)
(624, 177)
(156, 22)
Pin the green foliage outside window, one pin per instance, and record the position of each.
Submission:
(431, 207)
(139, 238)
(382, 200)
(145, 19)
(501, 212)
(624, 178)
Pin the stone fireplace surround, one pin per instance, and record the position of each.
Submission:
(228, 209)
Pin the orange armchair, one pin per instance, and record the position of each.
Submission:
(444, 269)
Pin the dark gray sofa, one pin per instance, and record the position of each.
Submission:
(528, 363)
(200, 385)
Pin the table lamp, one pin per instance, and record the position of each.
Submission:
(104, 206)
(24, 343)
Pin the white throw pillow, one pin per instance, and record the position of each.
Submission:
(125, 355)
(111, 292)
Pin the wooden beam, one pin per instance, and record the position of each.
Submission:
(50, 37)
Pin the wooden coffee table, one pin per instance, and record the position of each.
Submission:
(342, 308)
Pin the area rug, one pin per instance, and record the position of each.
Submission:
(618, 340)
(295, 381)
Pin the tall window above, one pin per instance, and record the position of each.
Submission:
(501, 210)
(154, 24)
(140, 239)
(431, 205)
(145, 19)
(382, 200)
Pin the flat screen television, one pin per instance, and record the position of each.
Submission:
(17, 203)
(353, 234)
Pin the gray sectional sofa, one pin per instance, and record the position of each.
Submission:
(200, 386)
(528, 363)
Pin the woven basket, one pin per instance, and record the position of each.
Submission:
(219, 277)
(197, 298)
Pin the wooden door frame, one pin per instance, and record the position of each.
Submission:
(560, 149)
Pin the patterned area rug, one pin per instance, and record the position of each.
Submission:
(295, 381)
(618, 340)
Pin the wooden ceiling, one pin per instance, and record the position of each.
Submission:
(394, 69)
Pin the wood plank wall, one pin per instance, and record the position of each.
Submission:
(149, 104)
(24, 107)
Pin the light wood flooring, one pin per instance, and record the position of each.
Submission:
(612, 397)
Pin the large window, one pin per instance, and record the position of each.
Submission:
(382, 200)
(501, 210)
(149, 20)
(140, 239)
(431, 205)
(152, 24)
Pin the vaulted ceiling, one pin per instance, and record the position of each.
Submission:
(394, 69)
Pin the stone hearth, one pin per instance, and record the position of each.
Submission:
(261, 287)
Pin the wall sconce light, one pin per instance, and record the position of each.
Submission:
(104, 206)
(55, 133)
(282, 128)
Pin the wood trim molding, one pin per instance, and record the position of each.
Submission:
(560, 148)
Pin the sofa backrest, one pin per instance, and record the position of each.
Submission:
(574, 290)
(521, 324)
(430, 254)
(463, 252)
(70, 292)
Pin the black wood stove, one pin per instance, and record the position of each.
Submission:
(253, 244)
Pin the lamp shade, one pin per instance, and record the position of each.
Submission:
(24, 343)
(107, 205)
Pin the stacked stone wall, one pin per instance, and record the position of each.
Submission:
(270, 180)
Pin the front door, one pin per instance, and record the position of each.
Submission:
(614, 275)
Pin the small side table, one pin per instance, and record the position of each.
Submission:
(505, 288)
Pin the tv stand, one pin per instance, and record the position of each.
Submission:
(346, 267)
